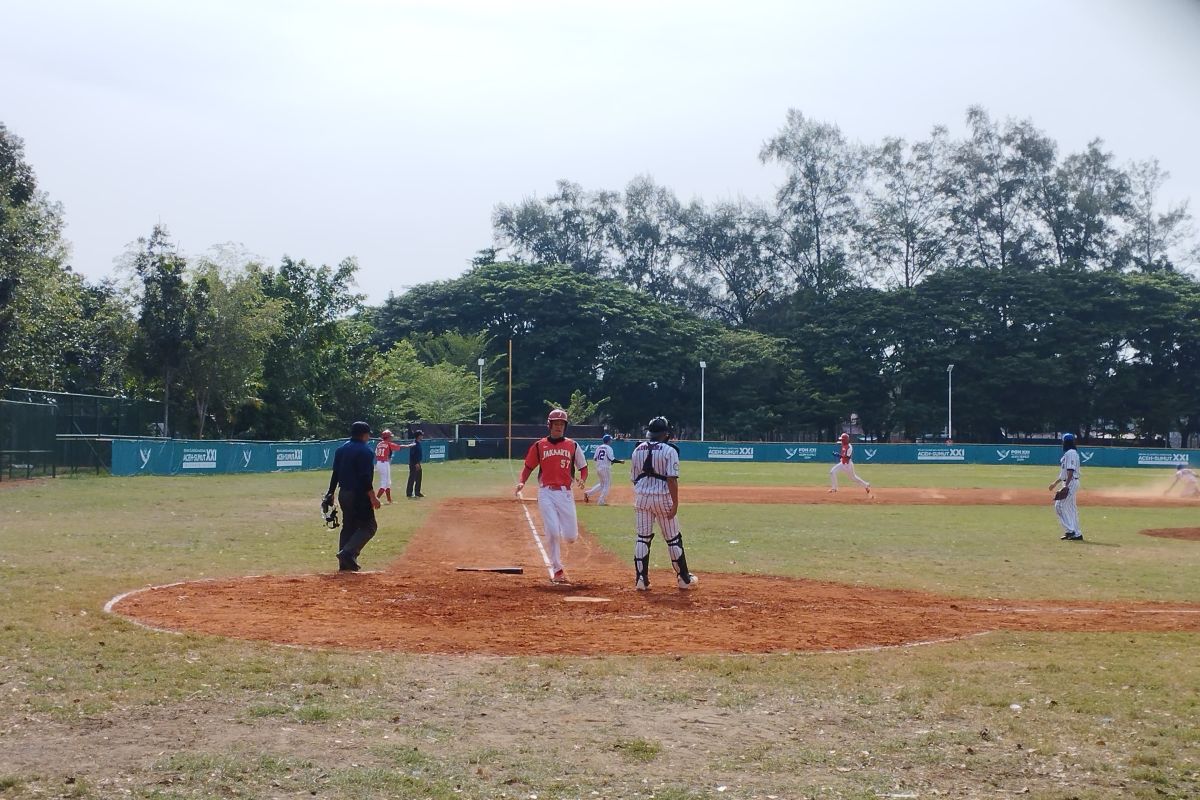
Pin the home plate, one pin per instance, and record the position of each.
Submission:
(584, 599)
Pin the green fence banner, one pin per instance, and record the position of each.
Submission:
(199, 457)
(196, 457)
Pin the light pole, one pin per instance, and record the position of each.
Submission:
(703, 365)
(480, 362)
(950, 403)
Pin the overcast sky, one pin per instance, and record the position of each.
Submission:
(389, 130)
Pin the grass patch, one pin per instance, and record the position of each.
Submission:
(640, 750)
(1100, 714)
(983, 551)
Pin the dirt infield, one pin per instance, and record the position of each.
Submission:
(1187, 534)
(422, 604)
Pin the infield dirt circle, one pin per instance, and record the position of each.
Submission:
(421, 604)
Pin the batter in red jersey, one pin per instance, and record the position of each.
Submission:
(383, 463)
(557, 459)
(845, 463)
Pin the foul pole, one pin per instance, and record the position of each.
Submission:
(510, 399)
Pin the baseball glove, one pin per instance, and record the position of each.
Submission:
(1062, 493)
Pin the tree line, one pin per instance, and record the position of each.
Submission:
(1053, 283)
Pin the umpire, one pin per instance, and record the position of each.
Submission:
(353, 469)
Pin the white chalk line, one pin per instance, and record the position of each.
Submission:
(109, 607)
(537, 539)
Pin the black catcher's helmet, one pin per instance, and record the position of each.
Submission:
(659, 425)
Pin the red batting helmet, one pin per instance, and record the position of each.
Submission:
(556, 414)
(845, 437)
(386, 434)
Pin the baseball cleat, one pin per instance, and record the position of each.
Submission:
(868, 488)
(833, 491)
(586, 499)
(559, 577)
(690, 583)
(641, 585)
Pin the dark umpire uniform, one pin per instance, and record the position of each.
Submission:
(353, 470)
(413, 489)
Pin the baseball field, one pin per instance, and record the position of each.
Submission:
(935, 639)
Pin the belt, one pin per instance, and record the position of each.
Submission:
(558, 488)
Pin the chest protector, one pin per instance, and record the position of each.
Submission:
(648, 464)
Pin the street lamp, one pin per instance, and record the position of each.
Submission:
(950, 403)
(703, 365)
(480, 362)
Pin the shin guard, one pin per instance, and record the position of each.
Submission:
(678, 559)
(641, 558)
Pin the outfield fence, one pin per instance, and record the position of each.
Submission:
(136, 456)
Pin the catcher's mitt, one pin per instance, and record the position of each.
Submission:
(1062, 493)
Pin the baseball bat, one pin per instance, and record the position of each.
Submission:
(505, 570)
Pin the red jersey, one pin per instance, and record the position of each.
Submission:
(847, 453)
(383, 450)
(556, 462)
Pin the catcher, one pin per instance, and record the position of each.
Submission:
(1064, 498)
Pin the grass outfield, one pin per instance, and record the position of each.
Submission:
(96, 707)
(955, 476)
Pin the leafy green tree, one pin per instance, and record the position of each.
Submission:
(906, 230)
(235, 323)
(647, 241)
(818, 207)
(166, 324)
(579, 409)
(727, 248)
(46, 331)
(988, 186)
(408, 390)
(1154, 235)
(571, 227)
(316, 364)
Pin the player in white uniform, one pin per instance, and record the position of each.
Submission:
(1068, 476)
(556, 458)
(604, 461)
(654, 470)
(845, 463)
(1191, 484)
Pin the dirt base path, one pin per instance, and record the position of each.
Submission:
(1187, 534)
(422, 604)
(851, 494)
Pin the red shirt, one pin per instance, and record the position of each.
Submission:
(556, 462)
(847, 453)
(383, 450)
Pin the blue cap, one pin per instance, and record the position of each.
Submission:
(606, 438)
(1068, 437)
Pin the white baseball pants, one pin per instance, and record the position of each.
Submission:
(849, 470)
(605, 477)
(557, 509)
(651, 507)
(384, 470)
(1067, 511)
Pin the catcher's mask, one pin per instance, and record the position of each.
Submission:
(329, 513)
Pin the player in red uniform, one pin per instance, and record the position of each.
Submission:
(845, 463)
(383, 463)
(557, 459)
